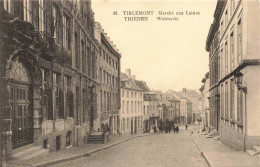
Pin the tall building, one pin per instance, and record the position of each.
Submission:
(131, 112)
(150, 107)
(109, 79)
(233, 46)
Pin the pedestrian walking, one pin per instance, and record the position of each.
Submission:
(170, 130)
(174, 129)
(177, 129)
(154, 130)
(186, 126)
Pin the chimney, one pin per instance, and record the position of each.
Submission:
(133, 77)
(128, 73)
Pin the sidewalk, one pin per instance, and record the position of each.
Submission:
(218, 154)
(73, 152)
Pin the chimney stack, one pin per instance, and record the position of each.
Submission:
(133, 77)
(128, 73)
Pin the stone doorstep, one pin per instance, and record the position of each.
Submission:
(25, 150)
(254, 151)
(256, 148)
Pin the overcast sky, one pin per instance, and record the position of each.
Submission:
(165, 54)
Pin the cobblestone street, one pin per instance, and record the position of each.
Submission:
(157, 150)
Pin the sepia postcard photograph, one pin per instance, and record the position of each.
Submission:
(130, 83)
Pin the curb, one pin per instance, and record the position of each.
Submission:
(203, 154)
(207, 160)
(84, 154)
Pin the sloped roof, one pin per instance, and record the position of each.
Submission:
(143, 86)
(129, 83)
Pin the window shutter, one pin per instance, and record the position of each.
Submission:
(61, 99)
(71, 112)
(50, 104)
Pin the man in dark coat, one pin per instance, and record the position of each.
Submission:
(177, 129)
(174, 129)
(186, 126)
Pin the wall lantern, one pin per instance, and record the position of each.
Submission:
(238, 81)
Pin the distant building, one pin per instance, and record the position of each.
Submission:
(150, 108)
(131, 112)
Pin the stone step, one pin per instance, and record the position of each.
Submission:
(25, 150)
(256, 148)
(251, 152)
(20, 149)
(35, 154)
(216, 137)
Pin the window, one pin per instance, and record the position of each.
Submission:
(222, 100)
(127, 93)
(232, 51)
(100, 75)
(226, 18)
(232, 7)
(77, 56)
(57, 94)
(67, 86)
(104, 55)
(127, 107)
(7, 5)
(239, 42)
(116, 65)
(56, 25)
(232, 94)
(135, 94)
(45, 98)
(105, 101)
(77, 105)
(84, 106)
(83, 56)
(123, 93)
(104, 77)
(89, 61)
(239, 105)
(131, 94)
(27, 10)
(222, 63)
(135, 106)
(123, 106)
(101, 100)
(132, 107)
(42, 15)
(226, 99)
(226, 58)
(222, 28)
(66, 32)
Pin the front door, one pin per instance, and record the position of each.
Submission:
(22, 115)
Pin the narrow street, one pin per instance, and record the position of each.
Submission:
(157, 150)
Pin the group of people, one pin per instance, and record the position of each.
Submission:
(168, 129)
(175, 129)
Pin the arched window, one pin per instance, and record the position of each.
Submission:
(18, 72)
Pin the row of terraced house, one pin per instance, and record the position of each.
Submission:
(230, 90)
(61, 81)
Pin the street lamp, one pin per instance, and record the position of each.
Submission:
(238, 81)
